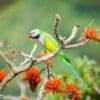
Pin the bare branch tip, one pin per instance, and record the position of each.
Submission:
(78, 26)
(57, 17)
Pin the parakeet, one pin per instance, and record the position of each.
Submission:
(51, 45)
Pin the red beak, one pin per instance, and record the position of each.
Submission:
(30, 36)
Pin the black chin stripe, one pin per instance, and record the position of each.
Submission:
(36, 37)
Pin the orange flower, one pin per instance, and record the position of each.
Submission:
(33, 77)
(90, 32)
(33, 71)
(70, 87)
(49, 61)
(3, 74)
(53, 85)
(73, 90)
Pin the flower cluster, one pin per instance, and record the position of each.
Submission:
(73, 91)
(53, 85)
(91, 33)
(3, 74)
(48, 61)
(33, 77)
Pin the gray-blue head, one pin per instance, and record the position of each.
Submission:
(34, 34)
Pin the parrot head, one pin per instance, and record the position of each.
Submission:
(34, 34)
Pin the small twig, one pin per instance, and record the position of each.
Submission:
(33, 50)
(77, 44)
(28, 57)
(42, 89)
(22, 88)
(11, 65)
(9, 97)
(7, 79)
(56, 25)
(1, 44)
(96, 89)
(72, 36)
(88, 97)
(48, 72)
(41, 71)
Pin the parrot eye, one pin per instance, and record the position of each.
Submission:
(30, 36)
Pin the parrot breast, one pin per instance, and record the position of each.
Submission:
(50, 46)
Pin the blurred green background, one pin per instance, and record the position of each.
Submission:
(18, 17)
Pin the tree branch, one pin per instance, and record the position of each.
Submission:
(26, 63)
(72, 36)
(63, 41)
(77, 44)
(18, 69)
(11, 65)
(56, 25)
(42, 89)
(22, 94)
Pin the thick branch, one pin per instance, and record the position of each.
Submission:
(22, 88)
(25, 66)
(18, 69)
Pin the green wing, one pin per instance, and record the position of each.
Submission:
(50, 43)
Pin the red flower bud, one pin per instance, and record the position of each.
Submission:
(3, 74)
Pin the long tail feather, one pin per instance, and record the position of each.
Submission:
(72, 69)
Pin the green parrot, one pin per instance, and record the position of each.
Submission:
(51, 45)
